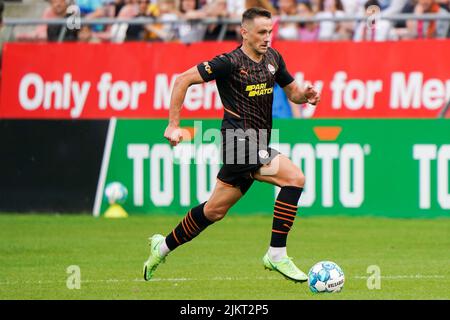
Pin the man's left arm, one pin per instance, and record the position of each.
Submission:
(299, 95)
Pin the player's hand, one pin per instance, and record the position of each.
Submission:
(312, 95)
(173, 134)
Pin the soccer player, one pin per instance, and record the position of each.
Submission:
(245, 78)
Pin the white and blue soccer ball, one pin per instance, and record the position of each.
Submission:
(326, 276)
(116, 192)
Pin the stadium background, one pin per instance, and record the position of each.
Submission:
(75, 116)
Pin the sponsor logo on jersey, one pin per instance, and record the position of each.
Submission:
(243, 71)
(258, 89)
(207, 67)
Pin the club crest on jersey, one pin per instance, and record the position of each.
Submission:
(271, 68)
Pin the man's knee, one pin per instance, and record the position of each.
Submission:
(215, 213)
(297, 179)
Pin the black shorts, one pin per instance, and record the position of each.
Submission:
(241, 160)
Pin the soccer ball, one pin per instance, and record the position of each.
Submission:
(326, 276)
(116, 192)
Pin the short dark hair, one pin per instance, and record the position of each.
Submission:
(252, 13)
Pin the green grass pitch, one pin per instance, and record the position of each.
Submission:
(224, 262)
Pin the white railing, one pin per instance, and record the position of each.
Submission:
(11, 23)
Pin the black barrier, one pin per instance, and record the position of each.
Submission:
(50, 165)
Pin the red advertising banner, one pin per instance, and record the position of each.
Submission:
(134, 80)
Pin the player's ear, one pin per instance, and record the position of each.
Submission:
(244, 32)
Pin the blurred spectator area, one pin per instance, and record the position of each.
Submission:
(192, 12)
(24, 9)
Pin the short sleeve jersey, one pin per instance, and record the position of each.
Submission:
(246, 87)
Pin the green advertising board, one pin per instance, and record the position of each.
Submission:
(395, 168)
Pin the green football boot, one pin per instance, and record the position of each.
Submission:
(155, 257)
(286, 267)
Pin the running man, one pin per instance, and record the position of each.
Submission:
(245, 79)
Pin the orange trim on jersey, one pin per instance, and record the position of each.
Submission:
(175, 236)
(287, 204)
(275, 216)
(282, 208)
(233, 113)
(286, 214)
(276, 231)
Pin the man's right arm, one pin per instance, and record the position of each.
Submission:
(217, 68)
(182, 83)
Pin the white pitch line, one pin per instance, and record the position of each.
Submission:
(137, 280)
(399, 277)
(387, 277)
(104, 166)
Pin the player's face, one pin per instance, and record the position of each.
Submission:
(257, 34)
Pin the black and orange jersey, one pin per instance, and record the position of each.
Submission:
(246, 87)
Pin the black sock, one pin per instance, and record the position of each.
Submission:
(190, 227)
(284, 214)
